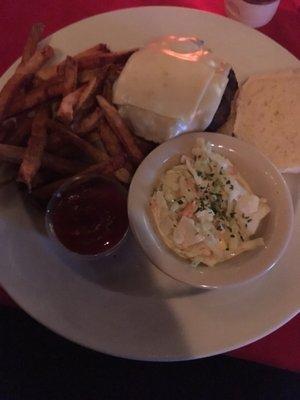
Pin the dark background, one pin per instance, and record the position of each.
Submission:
(37, 364)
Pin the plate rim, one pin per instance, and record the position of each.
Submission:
(242, 343)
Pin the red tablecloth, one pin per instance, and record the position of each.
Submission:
(282, 348)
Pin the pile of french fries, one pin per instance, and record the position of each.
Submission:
(58, 121)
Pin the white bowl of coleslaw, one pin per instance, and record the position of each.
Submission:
(210, 210)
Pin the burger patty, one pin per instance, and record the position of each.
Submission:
(224, 108)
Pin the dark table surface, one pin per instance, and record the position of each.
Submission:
(36, 364)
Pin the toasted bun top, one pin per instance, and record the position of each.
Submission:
(268, 116)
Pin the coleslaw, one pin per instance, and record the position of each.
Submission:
(204, 210)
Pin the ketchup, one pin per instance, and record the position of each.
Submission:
(90, 217)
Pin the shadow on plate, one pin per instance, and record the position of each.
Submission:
(128, 271)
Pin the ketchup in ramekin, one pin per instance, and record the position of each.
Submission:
(88, 215)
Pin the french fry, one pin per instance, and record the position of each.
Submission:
(67, 152)
(94, 139)
(95, 155)
(69, 71)
(15, 154)
(88, 123)
(107, 167)
(109, 139)
(100, 47)
(66, 109)
(9, 124)
(47, 90)
(3, 134)
(88, 92)
(56, 86)
(112, 75)
(32, 158)
(22, 74)
(87, 74)
(99, 59)
(61, 165)
(6, 129)
(120, 129)
(54, 143)
(34, 89)
(12, 154)
(123, 175)
(114, 149)
(34, 98)
(45, 192)
(46, 73)
(22, 131)
(33, 39)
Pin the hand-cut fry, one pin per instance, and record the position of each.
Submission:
(47, 90)
(35, 97)
(50, 72)
(20, 134)
(90, 89)
(47, 73)
(109, 139)
(100, 47)
(32, 158)
(94, 139)
(61, 165)
(112, 75)
(33, 39)
(14, 154)
(87, 74)
(66, 109)
(9, 124)
(114, 148)
(46, 191)
(99, 59)
(122, 132)
(88, 123)
(69, 71)
(95, 155)
(54, 143)
(3, 134)
(107, 167)
(6, 129)
(23, 73)
(123, 175)
(98, 136)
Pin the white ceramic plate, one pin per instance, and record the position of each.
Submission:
(125, 306)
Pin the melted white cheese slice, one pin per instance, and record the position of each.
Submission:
(211, 100)
(171, 86)
(167, 82)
